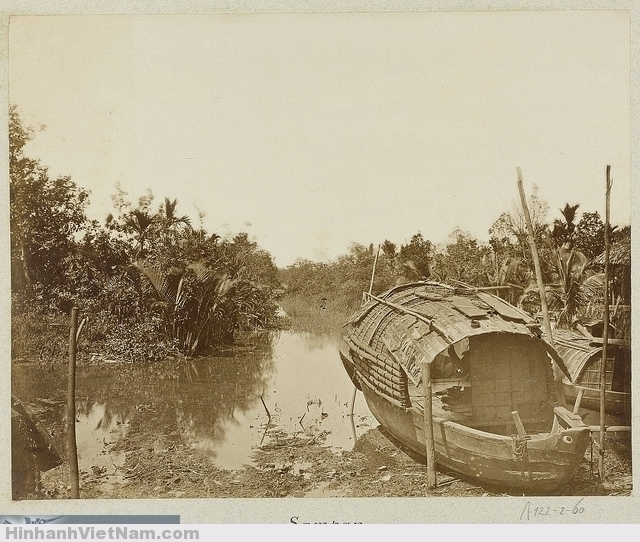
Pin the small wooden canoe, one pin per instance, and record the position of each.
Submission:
(493, 405)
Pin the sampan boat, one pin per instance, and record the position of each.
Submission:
(583, 357)
(494, 415)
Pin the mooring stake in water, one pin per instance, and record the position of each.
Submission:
(72, 457)
(351, 414)
(428, 427)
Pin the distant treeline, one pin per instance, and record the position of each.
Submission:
(151, 282)
(320, 295)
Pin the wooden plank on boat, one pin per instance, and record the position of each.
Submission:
(572, 420)
(504, 309)
(466, 306)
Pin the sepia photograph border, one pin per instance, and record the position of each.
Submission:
(465, 510)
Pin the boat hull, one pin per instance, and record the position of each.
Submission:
(617, 403)
(489, 381)
(547, 461)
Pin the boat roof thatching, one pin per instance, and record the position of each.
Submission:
(619, 254)
(577, 350)
(443, 317)
(31, 437)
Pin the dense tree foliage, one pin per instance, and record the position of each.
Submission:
(589, 235)
(146, 269)
(152, 281)
(464, 260)
(572, 280)
(416, 257)
(45, 216)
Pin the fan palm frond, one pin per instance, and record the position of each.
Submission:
(166, 285)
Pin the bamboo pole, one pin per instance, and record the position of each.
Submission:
(72, 457)
(417, 315)
(612, 429)
(428, 427)
(428, 410)
(351, 413)
(605, 331)
(557, 374)
(373, 273)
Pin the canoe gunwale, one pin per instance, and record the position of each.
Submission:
(490, 458)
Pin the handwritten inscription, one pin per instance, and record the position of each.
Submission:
(530, 512)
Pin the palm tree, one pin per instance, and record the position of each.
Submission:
(170, 222)
(563, 231)
(170, 217)
(389, 249)
(193, 302)
(567, 295)
(140, 222)
(570, 285)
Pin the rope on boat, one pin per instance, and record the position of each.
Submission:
(519, 446)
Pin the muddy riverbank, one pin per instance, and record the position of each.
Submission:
(296, 466)
(269, 417)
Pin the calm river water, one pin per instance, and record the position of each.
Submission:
(226, 404)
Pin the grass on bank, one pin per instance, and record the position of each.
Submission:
(42, 338)
(317, 314)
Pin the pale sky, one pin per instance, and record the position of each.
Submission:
(314, 131)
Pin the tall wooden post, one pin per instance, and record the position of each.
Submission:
(373, 272)
(428, 426)
(605, 331)
(72, 456)
(351, 413)
(557, 373)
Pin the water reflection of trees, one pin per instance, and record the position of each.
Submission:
(318, 341)
(195, 398)
(213, 390)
